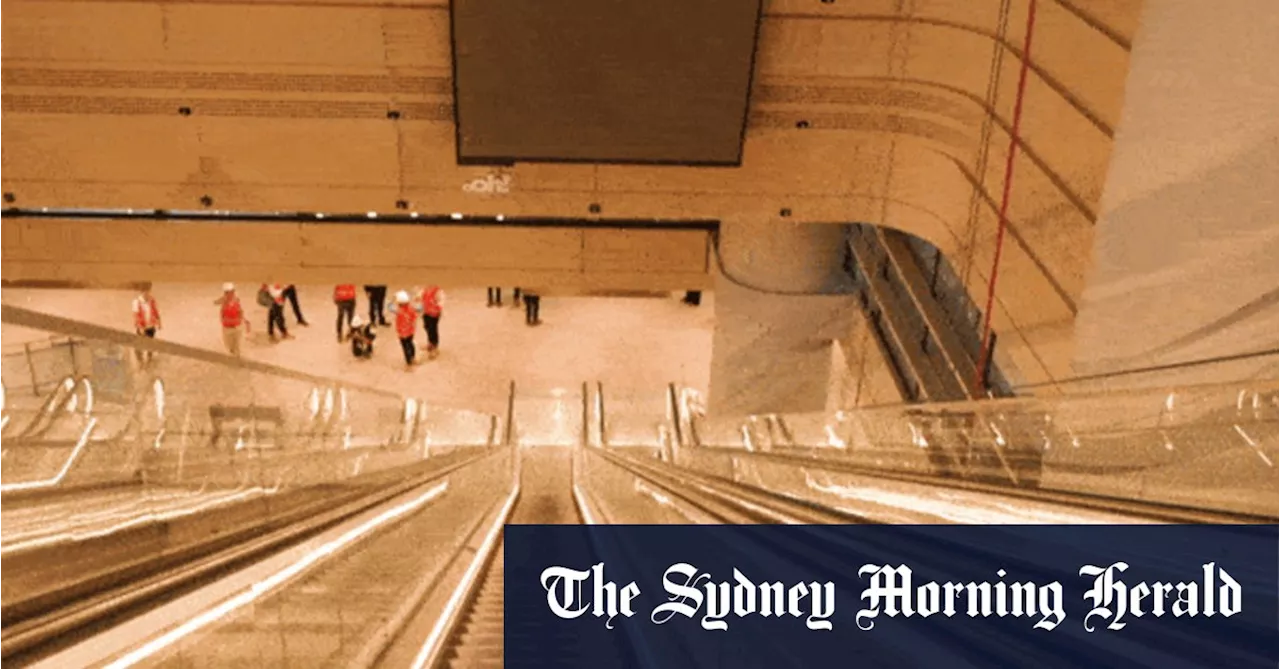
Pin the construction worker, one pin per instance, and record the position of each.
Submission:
(406, 322)
(377, 297)
(232, 315)
(532, 301)
(344, 295)
(146, 318)
(432, 301)
(275, 309)
(362, 336)
(291, 294)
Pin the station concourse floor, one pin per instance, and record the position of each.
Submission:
(633, 345)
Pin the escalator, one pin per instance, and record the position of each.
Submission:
(546, 498)
(479, 642)
(920, 312)
(111, 510)
(364, 607)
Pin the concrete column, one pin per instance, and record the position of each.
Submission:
(1186, 248)
(780, 302)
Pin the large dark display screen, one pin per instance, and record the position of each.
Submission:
(614, 81)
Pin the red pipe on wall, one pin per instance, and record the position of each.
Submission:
(1004, 199)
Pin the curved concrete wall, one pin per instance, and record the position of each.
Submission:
(779, 308)
(785, 258)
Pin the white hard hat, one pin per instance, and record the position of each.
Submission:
(228, 287)
(402, 297)
(357, 322)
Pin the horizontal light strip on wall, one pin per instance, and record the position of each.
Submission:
(410, 218)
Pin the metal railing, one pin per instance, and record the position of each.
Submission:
(196, 415)
(1210, 447)
(34, 367)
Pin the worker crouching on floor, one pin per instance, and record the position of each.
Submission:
(361, 336)
(406, 323)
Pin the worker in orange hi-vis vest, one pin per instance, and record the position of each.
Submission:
(232, 314)
(344, 295)
(432, 300)
(406, 322)
(146, 318)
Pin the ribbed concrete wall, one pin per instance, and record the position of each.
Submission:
(1186, 252)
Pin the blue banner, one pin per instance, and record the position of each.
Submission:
(873, 596)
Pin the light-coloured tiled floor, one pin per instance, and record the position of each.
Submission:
(633, 345)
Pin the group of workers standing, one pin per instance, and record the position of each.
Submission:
(408, 304)
(405, 308)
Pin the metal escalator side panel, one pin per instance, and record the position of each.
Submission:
(952, 350)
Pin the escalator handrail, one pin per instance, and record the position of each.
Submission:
(509, 431)
(673, 403)
(1158, 511)
(585, 437)
(713, 487)
(432, 652)
(31, 319)
(604, 435)
(216, 558)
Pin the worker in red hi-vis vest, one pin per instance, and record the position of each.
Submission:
(432, 300)
(344, 295)
(232, 314)
(146, 318)
(406, 322)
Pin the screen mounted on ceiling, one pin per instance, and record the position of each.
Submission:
(610, 81)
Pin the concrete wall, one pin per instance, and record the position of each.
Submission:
(1186, 252)
(121, 251)
(871, 379)
(781, 300)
